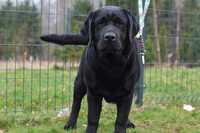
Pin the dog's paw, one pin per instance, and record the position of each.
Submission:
(69, 125)
(130, 124)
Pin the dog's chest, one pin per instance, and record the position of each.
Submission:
(112, 91)
(105, 79)
(110, 87)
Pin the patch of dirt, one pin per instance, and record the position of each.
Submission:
(1, 131)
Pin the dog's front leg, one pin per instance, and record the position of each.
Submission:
(123, 109)
(94, 110)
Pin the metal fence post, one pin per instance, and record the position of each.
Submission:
(140, 84)
(142, 9)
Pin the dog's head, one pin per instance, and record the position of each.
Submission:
(110, 30)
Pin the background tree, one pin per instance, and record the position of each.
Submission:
(20, 28)
(156, 34)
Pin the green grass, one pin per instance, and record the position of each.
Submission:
(46, 92)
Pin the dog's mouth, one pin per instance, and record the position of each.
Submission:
(111, 50)
(110, 53)
(107, 47)
(113, 58)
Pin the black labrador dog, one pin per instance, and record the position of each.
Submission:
(109, 67)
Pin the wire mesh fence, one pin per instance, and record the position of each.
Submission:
(35, 76)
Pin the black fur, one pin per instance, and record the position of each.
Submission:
(109, 67)
(65, 39)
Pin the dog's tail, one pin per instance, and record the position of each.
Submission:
(66, 39)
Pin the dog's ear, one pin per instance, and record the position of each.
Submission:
(88, 28)
(133, 25)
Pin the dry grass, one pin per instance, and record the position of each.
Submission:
(13, 65)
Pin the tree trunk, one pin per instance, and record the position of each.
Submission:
(156, 36)
(179, 6)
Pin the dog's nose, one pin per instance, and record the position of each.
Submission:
(110, 36)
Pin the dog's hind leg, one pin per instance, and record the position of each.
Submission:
(130, 124)
(79, 92)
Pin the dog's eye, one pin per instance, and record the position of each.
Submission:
(119, 23)
(101, 21)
